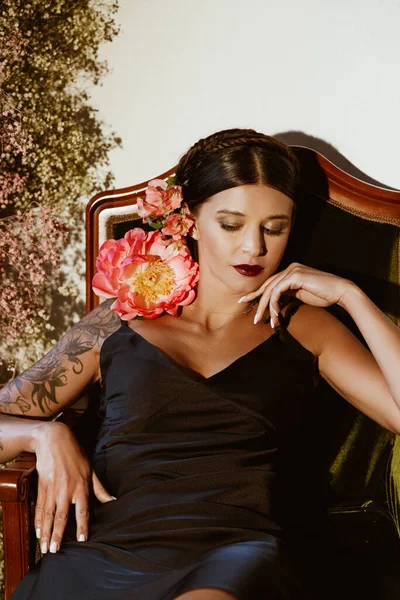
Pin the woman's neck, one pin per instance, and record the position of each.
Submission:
(216, 311)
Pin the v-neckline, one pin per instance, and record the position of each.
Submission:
(202, 379)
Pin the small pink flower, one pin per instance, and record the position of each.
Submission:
(173, 197)
(177, 225)
(159, 200)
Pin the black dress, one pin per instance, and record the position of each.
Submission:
(192, 464)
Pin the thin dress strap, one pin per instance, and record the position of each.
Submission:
(284, 319)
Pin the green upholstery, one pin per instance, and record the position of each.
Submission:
(344, 487)
(365, 251)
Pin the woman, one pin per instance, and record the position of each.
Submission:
(195, 408)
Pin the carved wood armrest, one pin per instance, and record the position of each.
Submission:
(18, 484)
(14, 479)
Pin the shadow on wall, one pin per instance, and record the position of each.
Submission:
(300, 138)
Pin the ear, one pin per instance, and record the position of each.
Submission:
(195, 231)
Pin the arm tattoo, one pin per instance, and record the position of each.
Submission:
(37, 385)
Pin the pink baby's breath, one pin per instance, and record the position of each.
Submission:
(24, 272)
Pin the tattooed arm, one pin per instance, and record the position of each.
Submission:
(54, 382)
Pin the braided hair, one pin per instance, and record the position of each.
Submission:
(234, 157)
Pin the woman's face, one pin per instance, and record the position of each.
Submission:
(248, 224)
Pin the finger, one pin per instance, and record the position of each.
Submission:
(264, 287)
(262, 306)
(100, 491)
(273, 279)
(252, 295)
(60, 521)
(275, 283)
(39, 506)
(286, 284)
(82, 516)
(47, 522)
(274, 307)
(266, 300)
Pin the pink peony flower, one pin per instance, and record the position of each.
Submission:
(159, 200)
(146, 274)
(177, 225)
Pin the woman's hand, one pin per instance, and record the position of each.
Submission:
(311, 286)
(64, 473)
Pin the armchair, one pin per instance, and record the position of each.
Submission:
(342, 488)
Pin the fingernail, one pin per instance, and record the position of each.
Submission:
(113, 497)
(44, 547)
(255, 319)
(274, 311)
(272, 323)
(241, 299)
(38, 532)
(82, 538)
(53, 547)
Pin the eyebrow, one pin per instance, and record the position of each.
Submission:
(239, 214)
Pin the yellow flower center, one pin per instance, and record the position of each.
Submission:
(156, 280)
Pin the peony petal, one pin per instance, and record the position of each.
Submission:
(102, 287)
(189, 299)
(107, 245)
(134, 236)
(158, 183)
(124, 310)
(135, 258)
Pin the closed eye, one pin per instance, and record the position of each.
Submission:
(236, 227)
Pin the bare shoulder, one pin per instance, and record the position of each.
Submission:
(96, 327)
(99, 324)
(346, 364)
(90, 332)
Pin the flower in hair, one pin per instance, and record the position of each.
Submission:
(149, 273)
(177, 225)
(163, 206)
(160, 198)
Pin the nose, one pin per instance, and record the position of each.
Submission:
(253, 243)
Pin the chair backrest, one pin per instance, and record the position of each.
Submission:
(350, 228)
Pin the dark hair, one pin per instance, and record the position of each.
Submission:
(233, 157)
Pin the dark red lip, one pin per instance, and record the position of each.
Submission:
(249, 270)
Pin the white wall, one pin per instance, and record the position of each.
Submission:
(324, 73)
